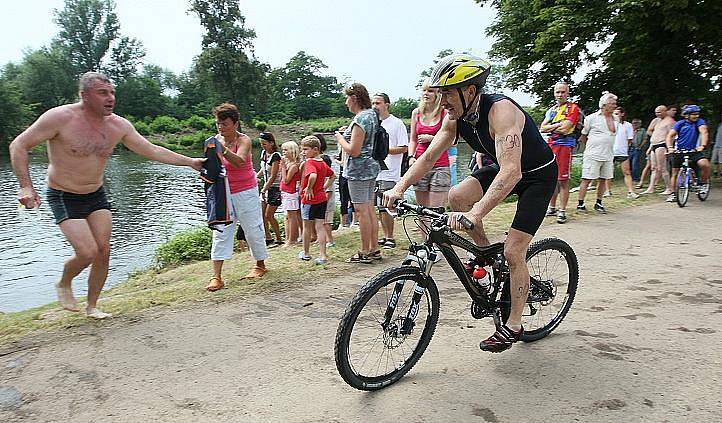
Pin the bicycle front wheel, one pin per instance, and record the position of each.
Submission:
(682, 187)
(373, 351)
(554, 276)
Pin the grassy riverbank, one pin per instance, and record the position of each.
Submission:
(184, 285)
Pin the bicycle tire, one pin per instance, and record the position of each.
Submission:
(682, 187)
(352, 372)
(703, 197)
(538, 270)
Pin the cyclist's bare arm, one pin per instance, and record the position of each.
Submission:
(506, 124)
(671, 135)
(704, 135)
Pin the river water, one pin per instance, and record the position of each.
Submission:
(150, 203)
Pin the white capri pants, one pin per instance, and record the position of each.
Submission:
(247, 213)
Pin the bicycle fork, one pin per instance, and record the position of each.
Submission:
(419, 289)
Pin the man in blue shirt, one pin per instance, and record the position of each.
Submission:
(688, 131)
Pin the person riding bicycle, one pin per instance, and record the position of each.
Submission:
(497, 126)
(688, 131)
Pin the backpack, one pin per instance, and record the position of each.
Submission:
(580, 125)
(380, 147)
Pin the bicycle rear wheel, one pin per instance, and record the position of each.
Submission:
(554, 274)
(370, 356)
(682, 187)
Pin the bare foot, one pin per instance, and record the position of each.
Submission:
(94, 313)
(66, 298)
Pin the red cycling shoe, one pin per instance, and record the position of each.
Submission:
(501, 340)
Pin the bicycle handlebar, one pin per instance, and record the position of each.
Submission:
(425, 211)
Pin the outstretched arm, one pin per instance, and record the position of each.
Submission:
(139, 145)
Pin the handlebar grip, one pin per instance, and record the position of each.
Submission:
(466, 223)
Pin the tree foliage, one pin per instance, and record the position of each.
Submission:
(646, 51)
(90, 39)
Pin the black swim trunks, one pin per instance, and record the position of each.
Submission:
(272, 197)
(67, 205)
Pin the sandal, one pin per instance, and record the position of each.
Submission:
(501, 340)
(389, 243)
(376, 255)
(214, 284)
(359, 257)
(256, 272)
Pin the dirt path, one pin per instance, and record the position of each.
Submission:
(642, 343)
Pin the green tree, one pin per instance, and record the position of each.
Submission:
(645, 51)
(90, 38)
(300, 82)
(224, 65)
(46, 79)
(403, 107)
(427, 73)
(143, 95)
(14, 115)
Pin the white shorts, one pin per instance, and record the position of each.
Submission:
(594, 169)
(290, 201)
(247, 213)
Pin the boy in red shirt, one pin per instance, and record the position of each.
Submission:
(317, 176)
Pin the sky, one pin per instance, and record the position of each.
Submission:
(385, 45)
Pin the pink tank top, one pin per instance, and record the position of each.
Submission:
(430, 130)
(241, 178)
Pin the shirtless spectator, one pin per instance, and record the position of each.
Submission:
(80, 138)
(658, 129)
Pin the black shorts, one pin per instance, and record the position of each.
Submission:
(67, 205)
(272, 197)
(313, 211)
(660, 145)
(678, 158)
(620, 159)
(534, 190)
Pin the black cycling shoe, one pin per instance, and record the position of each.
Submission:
(501, 340)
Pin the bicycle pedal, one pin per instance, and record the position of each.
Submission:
(478, 312)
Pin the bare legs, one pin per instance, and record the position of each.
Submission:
(658, 158)
(368, 226)
(90, 239)
(269, 221)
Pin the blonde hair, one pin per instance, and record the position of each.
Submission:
(294, 149)
(312, 142)
(437, 101)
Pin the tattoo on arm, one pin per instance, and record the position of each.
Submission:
(506, 144)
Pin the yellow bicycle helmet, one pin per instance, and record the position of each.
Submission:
(460, 70)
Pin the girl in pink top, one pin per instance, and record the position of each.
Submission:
(433, 189)
(290, 198)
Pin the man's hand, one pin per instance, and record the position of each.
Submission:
(391, 196)
(197, 164)
(455, 220)
(28, 197)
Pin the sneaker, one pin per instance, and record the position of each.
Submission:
(551, 211)
(321, 262)
(607, 194)
(501, 340)
(390, 243)
(599, 208)
(382, 241)
(330, 244)
(632, 195)
(671, 199)
(703, 189)
(303, 256)
(561, 217)
(582, 208)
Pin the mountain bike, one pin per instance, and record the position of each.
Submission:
(391, 320)
(687, 181)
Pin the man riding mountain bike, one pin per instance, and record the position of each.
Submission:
(498, 127)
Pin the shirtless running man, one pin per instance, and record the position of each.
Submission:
(81, 137)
